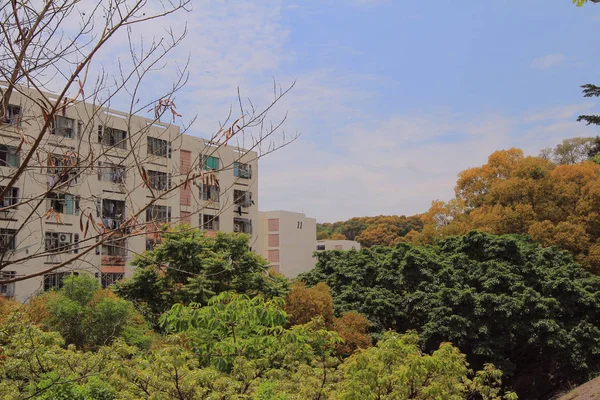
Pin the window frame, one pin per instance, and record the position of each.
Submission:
(209, 222)
(54, 199)
(56, 127)
(159, 180)
(5, 156)
(13, 118)
(158, 147)
(110, 278)
(58, 279)
(54, 239)
(246, 225)
(210, 192)
(107, 137)
(113, 173)
(153, 211)
(10, 236)
(242, 170)
(114, 248)
(7, 289)
(11, 199)
(213, 160)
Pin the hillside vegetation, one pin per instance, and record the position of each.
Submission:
(531, 311)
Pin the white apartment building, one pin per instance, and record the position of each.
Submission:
(337, 245)
(287, 240)
(122, 149)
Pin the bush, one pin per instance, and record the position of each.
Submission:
(87, 316)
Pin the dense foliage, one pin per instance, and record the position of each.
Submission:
(237, 347)
(555, 205)
(189, 266)
(370, 231)
(531, 311)
(87, 316)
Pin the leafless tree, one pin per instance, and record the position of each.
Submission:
(48, 62)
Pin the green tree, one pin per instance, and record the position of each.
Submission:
(397, 369)
(529, 310)
(266, 360)
(190, 267)
(370, 231)
(89, 317)
(569, 151)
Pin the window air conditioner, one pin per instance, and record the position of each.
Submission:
(64, 239)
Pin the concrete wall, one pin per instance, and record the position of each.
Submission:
(287, 241)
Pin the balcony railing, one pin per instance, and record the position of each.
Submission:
(113, 260)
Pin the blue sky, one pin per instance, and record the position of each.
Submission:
(393, 98)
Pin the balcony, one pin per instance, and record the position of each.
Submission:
(113, 260)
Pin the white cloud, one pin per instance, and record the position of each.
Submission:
(549, 61)
(348, 162)
(398, 165)
(556, 113)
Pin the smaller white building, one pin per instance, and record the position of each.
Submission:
(287, 240)
(337, 245)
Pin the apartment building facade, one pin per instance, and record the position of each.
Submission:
(287, 241)
(127, 162)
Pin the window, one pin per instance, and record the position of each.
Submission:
(273, 240)
(242, 198)
(209, 222)
(58, 242)
(110, 278)
(242, 225)
(158, 213)
(7, 289)
(7, 239)
(159, 180)
(273, 256)
(211, 162)
(113, 173)
(159, 147)
(209, 192)
(13, 115)
(320, 247)
(242, 170)
(273, 224)
(9, 157)
(63, 203)
(63, 126)
(112, 137)
(10, 198)
(55, 280)
(76, 243)
(115, 248)
(62, 169)
(112, 212)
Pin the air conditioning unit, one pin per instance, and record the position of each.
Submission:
(64, 239)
